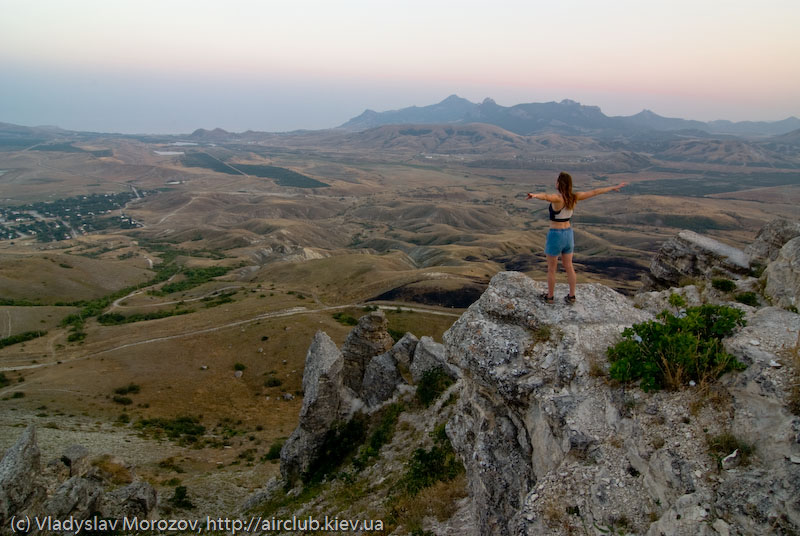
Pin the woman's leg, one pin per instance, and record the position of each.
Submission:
(552, 264)
(572, 279)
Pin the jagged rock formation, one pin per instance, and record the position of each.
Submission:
(368, 339)
(771, 238)
(325, 402)
(337, 384)
(551, 446)
(528, 400)
(27, 490)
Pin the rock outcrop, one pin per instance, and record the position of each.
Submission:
(770, 239)
(690, 255)
(783, 276)
(430, 355)
(325, 402)
(18, 470)
(368, 339)
(24, 487)
(382, 376)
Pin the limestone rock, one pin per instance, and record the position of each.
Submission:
(516, 416)
(429, 355)
(403, 350)
(76, 457)
(137, 499)
(771, 238)
(783, 276)
(692, 255)
(18, 470)
(381, 379)
(369, 338)
(323, 404)
(78, 496)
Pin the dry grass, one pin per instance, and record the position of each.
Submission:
(438, 501)
(113, 470)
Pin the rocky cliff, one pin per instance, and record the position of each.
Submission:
(550, 444)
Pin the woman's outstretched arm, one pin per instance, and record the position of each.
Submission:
(553, 198)
(597, 191)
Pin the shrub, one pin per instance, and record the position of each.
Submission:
(273, 382)
(427, 467)
(381, 435)
(725, 285)
(124, 400)
(239, 366)
(345, 319)
(747, 298)
(678, 349)
(131, 388)
(677, 301)
(432, 384)
(179, 499)
(339, 443)
(4, 380)
(274, 452)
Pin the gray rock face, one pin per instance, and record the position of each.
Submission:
(76, 457)
(324, 403)
(783, 276)
(369, 338)
(18, 470)
(382, 375)
(549, 447)
(134, 500)
(771, 238)
(692, 255)
(76, 496)
(429, 355)
(524, 365)
(24, 487)
(403, 350)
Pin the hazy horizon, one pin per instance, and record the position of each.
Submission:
(173, 67)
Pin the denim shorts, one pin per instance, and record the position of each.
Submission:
(559, 241)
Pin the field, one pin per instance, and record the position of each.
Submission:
(242, 249)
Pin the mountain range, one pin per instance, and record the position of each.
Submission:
(566, 117)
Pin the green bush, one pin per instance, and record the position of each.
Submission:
(274, 452)
(427, 467)
(272, 381)
(4, 380)
(677, 301)
(676, 350)
(131, 388)
(725, 285)
(433, 383)
(747, 298)
(345, 319)
(339, 443)
(381, 435)
(180, 498)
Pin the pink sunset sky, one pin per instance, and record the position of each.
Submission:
(171, 66)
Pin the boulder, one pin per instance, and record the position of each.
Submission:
(783, 276)
(690, 255)
(19, 469)
(403, 350)
(770, 239)
(430, 355)
(137, 499)
(78, 497)
(369, 338)
(76, 457)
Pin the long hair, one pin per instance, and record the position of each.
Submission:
(564, 185)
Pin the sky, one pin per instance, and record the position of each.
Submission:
(172, 66)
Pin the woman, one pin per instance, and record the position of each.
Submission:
(560, 240)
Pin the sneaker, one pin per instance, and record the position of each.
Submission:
(548, 299)
(569, 299)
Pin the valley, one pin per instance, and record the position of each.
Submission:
(210, 260)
